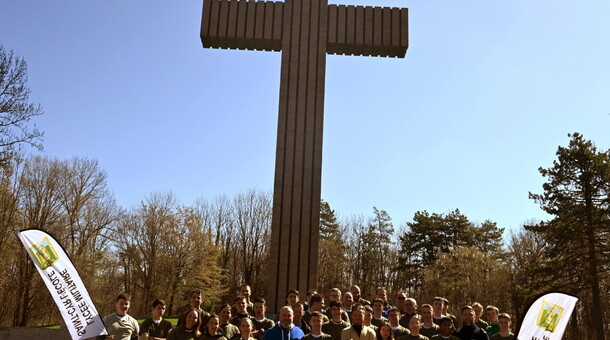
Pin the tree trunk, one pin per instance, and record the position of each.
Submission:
(26, 296)
(596, 303)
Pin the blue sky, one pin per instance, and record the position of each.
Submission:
(486, 94)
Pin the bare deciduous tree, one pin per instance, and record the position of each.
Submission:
(16, 111)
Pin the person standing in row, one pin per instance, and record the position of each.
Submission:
(120, 325)
(245, 330)
(156, 328)
(336, 324)
(315, 323)
(358, 331)
(190, 329)
(445, 330)
(212, 329)
(470, 331)
(228, 329)
(284, 329)
(504, 320)
(260, 323)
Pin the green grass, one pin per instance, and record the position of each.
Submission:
(50, 326)
(173, 320)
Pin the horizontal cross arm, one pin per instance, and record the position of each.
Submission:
(372, 31)
(258, 25)
(241, 24)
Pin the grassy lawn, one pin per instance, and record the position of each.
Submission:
(173, 320)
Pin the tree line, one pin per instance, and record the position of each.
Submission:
(163, 248)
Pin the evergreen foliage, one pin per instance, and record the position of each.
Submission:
(430, 236)
(332, 259)
(577, 196)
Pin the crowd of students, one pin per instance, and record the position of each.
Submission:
(348, 316)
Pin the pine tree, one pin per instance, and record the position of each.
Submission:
(377, 254)
(431, 235)
(333, 259)
(576, 194)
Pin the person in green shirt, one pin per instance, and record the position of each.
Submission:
(212, 329)
(446, 305)
(315, 322)
(378, 318)
(394, 319)
(189, 330)
(260, 323)
(195, 301)
(410, 309)
(298, 320)
(336, 324)
(478, 310)
(156, 328)
(292, 297)
(348, 301)
(335, 295)
(505, 321)
(429, 328)
(246, 291)
(414, 327)
(241, 306)
(445, 330)
(492, 316)
(437, 309)
(316, 304)
(224, 316)
(368, 316)
(355, 290)
(245, 330)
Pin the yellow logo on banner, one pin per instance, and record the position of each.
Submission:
(549, 316)
(44, 253)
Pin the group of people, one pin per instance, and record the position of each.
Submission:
(347, 317)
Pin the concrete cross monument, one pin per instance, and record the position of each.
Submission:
(304, 31)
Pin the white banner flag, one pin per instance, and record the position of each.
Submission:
(64, 283)
(547, 317)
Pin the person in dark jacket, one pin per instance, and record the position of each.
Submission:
(470, 331)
